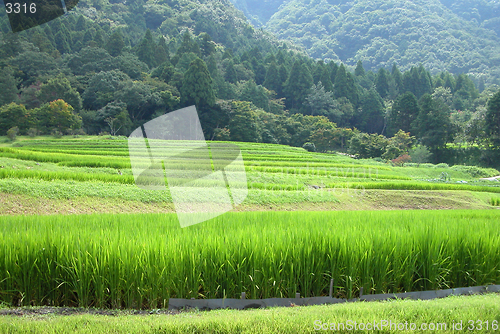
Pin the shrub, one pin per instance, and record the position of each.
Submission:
(442, 165)
(401, 160)
(476, 171)
(56, 133)
(420, 154)
(310, 147)
(12, 133)
(32, 132)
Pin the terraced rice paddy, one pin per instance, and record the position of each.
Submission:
(142, 260)
(269, 167)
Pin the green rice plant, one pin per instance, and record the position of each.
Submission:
(70, 160)
(64, 175)
(495, 201)
(140, 261)
(414, 186)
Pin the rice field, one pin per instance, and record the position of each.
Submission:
(269, 167)
(140, 261)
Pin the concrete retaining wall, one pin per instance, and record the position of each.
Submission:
(242, 304)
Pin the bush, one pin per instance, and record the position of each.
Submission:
(222, 134)
(32, 132)
(56, 133)
(442, 165)
(401, 160)
(476, 171)
(420, 155)
(310, 147)
(12, 133)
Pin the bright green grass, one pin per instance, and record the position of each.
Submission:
(449, 311)
(138, 261)
(269, 168)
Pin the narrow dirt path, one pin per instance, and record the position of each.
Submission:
(494, 178)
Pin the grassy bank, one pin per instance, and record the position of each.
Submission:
(470, 312)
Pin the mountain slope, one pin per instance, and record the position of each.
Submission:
(382, 32)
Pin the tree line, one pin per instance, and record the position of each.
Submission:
(259, 93)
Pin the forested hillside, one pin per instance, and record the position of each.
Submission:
(383, 32)
(108, 67)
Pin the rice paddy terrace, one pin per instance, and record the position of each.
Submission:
(131, 253)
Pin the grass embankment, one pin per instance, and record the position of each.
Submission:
(443, 316)
(140, 261)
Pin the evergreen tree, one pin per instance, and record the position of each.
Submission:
(398, 78)
(492, 122)
(449, 82)
(433, 124)
(231, 75)
(115, 44)
(81, 24)
(326, 80)
(318, 71)
(404, 112)
(99, 39)
(372, 119)
(40, 40)
(8, 86)
(298, 86)
(188, 45)
(87, 37)
(333, 70)
(161, 53)
(197, 86)
(382, 83)
(62, 44)
(273, 81)
(283, 75)
(207, 46)
(360, 70)
(345, 87)
(146, 50)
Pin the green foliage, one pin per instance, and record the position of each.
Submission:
(8, 86)
(365, 145)
(115, 44)
(298, 86)
(492, 121)
(310, 147)
(197, 87)
(59, 88)
(420, 154)
(54, 257)
(433, 124)
(475, 171)
(244, 125)
(382, 33)
(12, 115)
(12, 133)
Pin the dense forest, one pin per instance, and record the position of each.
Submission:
(108, 67)
(457, 36)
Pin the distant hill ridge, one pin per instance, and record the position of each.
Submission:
(458, 36)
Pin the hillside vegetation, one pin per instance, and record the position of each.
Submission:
(461, 38)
